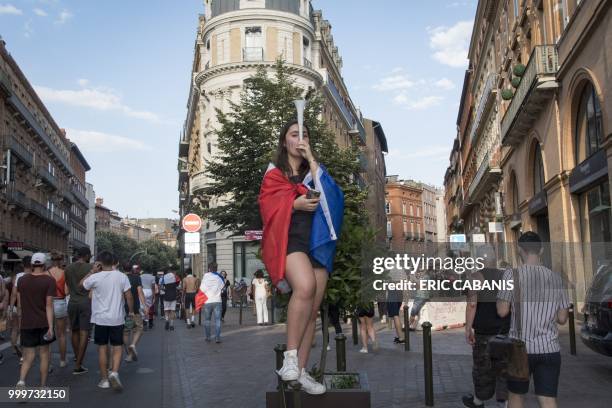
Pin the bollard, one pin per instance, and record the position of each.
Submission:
(354, 327)
(297, 394)
(572, 330)
(273, 305)
(200, 317)
(280, 357)
(240, 314)
(340, 352)
(428, 364)
(406, 329)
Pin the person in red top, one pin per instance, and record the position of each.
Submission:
(60, 306)
(35, 295)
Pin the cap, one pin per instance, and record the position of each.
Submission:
(38, 259)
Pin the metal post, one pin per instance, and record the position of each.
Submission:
(280, 357)
(297, 394)
(200, 317)
(273, 305)
(406, 329)
(240, 315)
(354, 327)
(340, 352)
(572, 330)
(428, 364)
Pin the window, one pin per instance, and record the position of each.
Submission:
(538, 171)
(209, 147)
(387, 207)
(516, 7)
(515, 196)
(588, 137)
(389, 229)
(404, 208)
(405, 226)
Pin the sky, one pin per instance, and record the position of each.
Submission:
(116, 74)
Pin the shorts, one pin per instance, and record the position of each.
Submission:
(138, 325)
(79, 315)
(108, 334)
(149, 297)
(34, 337)
(189, 300)
(393, 308)
(485, 376)
(417, 305)
(545, 369)
(300, 246)
(169, 306)
(365, 312)
(60, 308)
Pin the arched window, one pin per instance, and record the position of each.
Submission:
(589, 131)
(538, 170)
(515, 196)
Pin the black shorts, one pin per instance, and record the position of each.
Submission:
(108, 334)
(189, 300)
(393, 308)
(34, 337)
(545, 369)
(79, 315)
(365, 312)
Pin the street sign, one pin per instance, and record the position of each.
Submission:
(457, 242)
(496, 227)
(192, 223)
(478, 238)
(14, 246)
(253, 235)
(192, 243)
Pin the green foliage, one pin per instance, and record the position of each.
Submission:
(345, 381)
(519, 70)
(507, 94)
(152, 255)
(515, 81)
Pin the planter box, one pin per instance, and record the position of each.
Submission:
(333, 398)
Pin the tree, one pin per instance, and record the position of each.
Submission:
(152, 255)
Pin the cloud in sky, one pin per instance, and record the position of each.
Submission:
(397, 80)
(98, 142)
(64, 16)
(40, 12)
(10, 9)
(98, 98)
(445, 84)
(421, 103)
(450, 44)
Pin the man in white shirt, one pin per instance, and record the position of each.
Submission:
(109, 288)
(212, 286)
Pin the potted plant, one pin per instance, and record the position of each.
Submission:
(507, 94)
(519, 70)
(515, 81)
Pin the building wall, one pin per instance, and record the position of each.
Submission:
(404, 208)
(374, 176)
(91, 218)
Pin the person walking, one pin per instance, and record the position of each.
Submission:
(366, 327)
(35, 296)
(132, 335)
(298, 201)
(422, 297)
(79, 306)
(190, 288)
(260, 295)
(224, 295)
(333, 312)
(394, 305)
(148, 289)
(482, 323)
(542, 305)
(169, 291)
(212, 286)
(60, 306)
(110, 292)
(15, 307)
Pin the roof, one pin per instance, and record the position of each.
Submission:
(380, 134)
(79, 155)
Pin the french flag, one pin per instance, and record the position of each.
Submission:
(200, 300)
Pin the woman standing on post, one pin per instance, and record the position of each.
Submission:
(300, 228)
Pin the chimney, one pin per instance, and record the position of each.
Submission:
(99, 201)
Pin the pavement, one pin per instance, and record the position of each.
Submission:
(178, 369)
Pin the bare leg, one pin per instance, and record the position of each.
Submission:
(44, 364)
(398, 327)
(103, 361)
(116, 350)
(29, 353)
(74, 337)
(363, 329)
(547, 402)
(302, 280)
(60, 332)
(515, 400)
(306, 347)
(83, 338)
(136, 336)
(371, 331)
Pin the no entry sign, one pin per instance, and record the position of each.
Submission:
(192, 223)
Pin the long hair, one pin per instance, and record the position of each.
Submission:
(282, 157)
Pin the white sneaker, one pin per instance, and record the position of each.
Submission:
(20, 384)
(115, 382)
(309, 385)
(328, 347)
(290, 371)
(104, 384)
(63, 364)
(363, 350)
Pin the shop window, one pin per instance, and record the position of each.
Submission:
(588, 137)
(538, 171)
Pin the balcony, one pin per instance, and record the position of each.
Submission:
(488, 173)
(67, 195)
(363, 162)
(27, 116)
(183, 170)
(250, 54)
(20, 151)
(6, 86)
(183, 148)
(48, 178)
(57, 219)
(487, 99)
(79, 196)
(78, 220)
(537, 85)
(198, 182)
(307, 63)
(349, 118)
(17, 198)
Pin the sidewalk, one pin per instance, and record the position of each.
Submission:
(178, 369)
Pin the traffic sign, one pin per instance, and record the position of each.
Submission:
(253, 235)
(192, 223)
